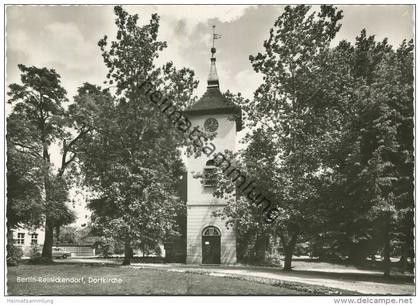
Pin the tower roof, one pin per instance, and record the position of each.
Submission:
(213, 101)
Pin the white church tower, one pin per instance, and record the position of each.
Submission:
(208, 239)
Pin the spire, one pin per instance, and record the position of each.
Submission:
(213, 101)
(213, 79)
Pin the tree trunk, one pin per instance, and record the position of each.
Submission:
(10, 241)
(9, 235)
(287, 262)
(403, 263)
(128, 253)
(49, 223)
(260, 248)
(288, 248)
(49, 238)
(387, 250)
(57, 235)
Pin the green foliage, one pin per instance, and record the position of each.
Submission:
(36, 194)
(31, 128)
(24, 188)
(35, 253)
(68, 235)
(288, 119)
(14, 254)
(106, 247)
(131, 159)
(39, 101)
(372, 180)
(331, 142)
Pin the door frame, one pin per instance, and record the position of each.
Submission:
(211, 233)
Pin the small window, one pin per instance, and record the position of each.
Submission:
(20, 238)
(211, 231)
(34, 239)
(210, 174)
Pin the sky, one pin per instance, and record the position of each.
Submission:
(65, 38)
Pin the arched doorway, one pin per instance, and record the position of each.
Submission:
(211, 245)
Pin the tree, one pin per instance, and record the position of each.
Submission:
(368, 198)
(38, 107)
(393, 206)
(327, 136)
(66, 235)
(24, 199)
(65, 217)
(132, 158)
(289, 116)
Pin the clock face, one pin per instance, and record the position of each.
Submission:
(211, 125)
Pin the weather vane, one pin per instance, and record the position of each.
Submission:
(215, 36)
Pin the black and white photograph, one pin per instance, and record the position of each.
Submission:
(168, 150)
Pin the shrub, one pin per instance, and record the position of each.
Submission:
(105, 247)
(14, 255)
(105, 250)
(35, 252)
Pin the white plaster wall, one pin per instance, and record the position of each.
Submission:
(40, 232)
(200, 201)
(225, 139)
(27, 247)
(199, 217)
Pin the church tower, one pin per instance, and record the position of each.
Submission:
(208, 239)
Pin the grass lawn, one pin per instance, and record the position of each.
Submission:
(133, 282)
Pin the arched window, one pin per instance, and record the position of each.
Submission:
(209, 174)
(211, 231)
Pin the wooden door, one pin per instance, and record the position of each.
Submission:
(211, 249)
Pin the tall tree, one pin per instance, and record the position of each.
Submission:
(289, 115)
(24, 167)
(132, 157)
(38, 105)
(369, 197)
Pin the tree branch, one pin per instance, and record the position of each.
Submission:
(72, 142)
(70, 160)
(66, 149)
(26, 147)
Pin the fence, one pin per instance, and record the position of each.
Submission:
(78, 250)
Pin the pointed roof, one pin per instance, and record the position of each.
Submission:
(213, 101)
(213, 79)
